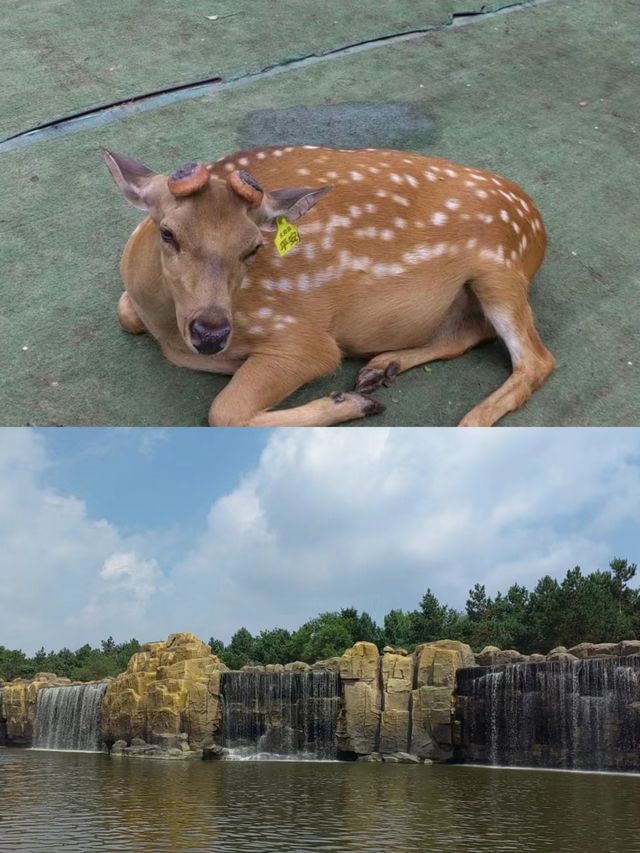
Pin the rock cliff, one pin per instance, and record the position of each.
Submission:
(169, 688)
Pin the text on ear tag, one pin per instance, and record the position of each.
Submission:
(287, 236)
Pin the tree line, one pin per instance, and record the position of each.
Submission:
(597, 607)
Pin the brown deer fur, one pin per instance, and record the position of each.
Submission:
(408, 259)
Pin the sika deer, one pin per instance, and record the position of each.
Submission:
(409, 259)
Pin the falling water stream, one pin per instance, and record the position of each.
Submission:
(280, 714)
(68, 718)
(582, 715)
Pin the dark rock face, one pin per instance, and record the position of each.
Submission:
(282, 713)
(3, 723)
(569, 713)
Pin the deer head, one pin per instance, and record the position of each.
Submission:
(209, 230)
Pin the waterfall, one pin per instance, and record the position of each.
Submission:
(280, 714)
(69, 718)
(3, 723)
(571, 714)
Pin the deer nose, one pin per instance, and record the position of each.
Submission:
(208, 338)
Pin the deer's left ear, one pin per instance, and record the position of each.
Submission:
(265, 207)
(290, 203)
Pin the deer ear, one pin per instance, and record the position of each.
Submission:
(132, 177)
(290, 203)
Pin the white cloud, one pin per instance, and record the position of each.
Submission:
(372, 518)
(51, 558)
(327, 519)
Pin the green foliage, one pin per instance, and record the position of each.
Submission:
(597, 607)
(85, 664)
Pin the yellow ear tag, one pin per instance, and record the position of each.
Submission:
(287, 236)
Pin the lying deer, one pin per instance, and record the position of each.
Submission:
(408, 259)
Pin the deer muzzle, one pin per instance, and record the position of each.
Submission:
(209, 335)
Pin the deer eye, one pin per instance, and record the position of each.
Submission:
(167, 236)
(251, 255)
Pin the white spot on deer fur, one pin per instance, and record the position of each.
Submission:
(366, 232)
(284, 285)
(246, 284)
(304, 172)
(386, 234)
(430, 176)
(472, 243)
(514, 255)
(395, 178)
(264, 312)
(451, 173)
(435, 168)
(311, 227)
(465, 216)
(356, 176)
(504, 216)
(338, 221)
(399, 222)
(309, 251)
(454, 250)
(478, 177)
(255, 330)
(439, 218)
(311, 147)
(485, 217)
(342, 181)
(243, 161)
(322, 180)
(482, 194)
(355, 211)
(304, 281)
(516, 227)
(327, 242)
(382, 270)
(490, 255)
(407, 161)
(506, 195)
(496, 182)
(277, 152)
(523, 243)
(370, 208)
(332, 175)
(470, 184)
(418, 255)
(400, 199)
(524, 204)
(261, 155)
(267, 283)
(452, 203)
(411, 181)
(373, 169)
(279, 327)
(229, 167)
(288, 149)
(288, 319)
(360, 264)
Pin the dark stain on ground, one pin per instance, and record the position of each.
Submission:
(349, 125)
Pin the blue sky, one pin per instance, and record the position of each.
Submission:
(145, 532)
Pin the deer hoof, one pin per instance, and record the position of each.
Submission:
(372, 378)
(360, 404)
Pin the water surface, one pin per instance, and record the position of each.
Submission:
(59, 801)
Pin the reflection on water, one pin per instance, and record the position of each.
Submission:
(79, 802)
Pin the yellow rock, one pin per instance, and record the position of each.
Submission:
(359, 717)
(168, 688)
(19, 698)
(360, 662)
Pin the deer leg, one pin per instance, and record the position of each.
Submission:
(505, 303)
(264, 381)
(450, 343)
(128, 316)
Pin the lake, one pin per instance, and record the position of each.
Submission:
(59, 801)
